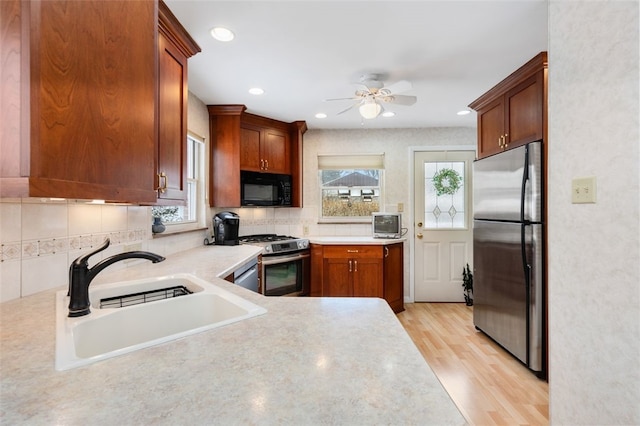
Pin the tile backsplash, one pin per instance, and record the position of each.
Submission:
(39, 238)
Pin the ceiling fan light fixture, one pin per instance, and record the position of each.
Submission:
(222, 34)
(370, 109)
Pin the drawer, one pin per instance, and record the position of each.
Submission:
(353, 252)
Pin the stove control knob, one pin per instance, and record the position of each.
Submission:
(267, 249)
(303, 244)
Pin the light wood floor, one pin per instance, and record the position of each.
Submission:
(489, 386)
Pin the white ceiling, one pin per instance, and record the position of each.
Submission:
(303, 52)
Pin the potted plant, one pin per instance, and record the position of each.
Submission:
(467, 285)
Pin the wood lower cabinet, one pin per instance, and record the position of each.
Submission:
(175, 47)
(358, 271)
(513, 113)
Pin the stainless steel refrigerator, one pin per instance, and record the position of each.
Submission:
(508, 257)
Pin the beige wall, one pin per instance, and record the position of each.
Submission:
(594, 249)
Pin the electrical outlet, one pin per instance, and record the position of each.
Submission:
(305, 230)
(400, 207)
(583, 190)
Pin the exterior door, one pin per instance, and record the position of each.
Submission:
(443, 229)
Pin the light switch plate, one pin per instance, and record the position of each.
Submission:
(400, 207)
(583, 190)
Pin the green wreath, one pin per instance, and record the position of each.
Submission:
(447, 181)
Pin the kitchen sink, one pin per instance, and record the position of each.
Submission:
(109, 332)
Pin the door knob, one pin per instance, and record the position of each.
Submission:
(419, 235)
(420, 224)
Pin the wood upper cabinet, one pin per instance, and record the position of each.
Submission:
(97, 105)
(244, 141)
(358, 271)
(264, 149)
(79, 99)
(175, 46)
(513, 113)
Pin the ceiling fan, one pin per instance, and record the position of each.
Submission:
(373, 94)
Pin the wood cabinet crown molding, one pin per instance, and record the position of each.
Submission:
(169, 25)
(529, 69)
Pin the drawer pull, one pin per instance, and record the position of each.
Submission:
(353, 251)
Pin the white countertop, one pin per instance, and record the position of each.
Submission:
(343, 240)
(306, 361)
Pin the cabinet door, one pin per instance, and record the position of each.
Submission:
(172, 122)
(367, 277)
(394, 276)
(88, 105)
(315, 275)
(337, 273)
(275, 151)
(250, 155)
(524, 109)
(490, 128)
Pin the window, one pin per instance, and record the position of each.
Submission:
(192, 212)
(444, 205)
(350, 186)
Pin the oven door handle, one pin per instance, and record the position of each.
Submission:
(273, 260)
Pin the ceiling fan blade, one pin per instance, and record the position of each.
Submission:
(353, 98)
(347, 109)
(399, 87)
(400, 99)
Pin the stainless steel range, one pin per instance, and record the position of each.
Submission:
(284, 269)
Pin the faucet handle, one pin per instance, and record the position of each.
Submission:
(85, 258)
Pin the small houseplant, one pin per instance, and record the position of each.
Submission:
(467, 285)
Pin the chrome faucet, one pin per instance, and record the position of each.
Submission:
(80, 276)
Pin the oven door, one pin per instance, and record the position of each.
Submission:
(286, 275)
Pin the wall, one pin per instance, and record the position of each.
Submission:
(39, 238)
(594, 249)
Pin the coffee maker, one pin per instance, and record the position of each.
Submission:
(225, 228)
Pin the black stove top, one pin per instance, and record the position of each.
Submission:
(264, 238)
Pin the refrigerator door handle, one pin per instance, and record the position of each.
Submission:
(525, 179)
(526, 268)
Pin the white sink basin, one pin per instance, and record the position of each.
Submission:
(106, 333)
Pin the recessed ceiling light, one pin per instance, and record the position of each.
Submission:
(321, 115)
(464, 112)
(256, 91)
(388, 114)
(222, 34)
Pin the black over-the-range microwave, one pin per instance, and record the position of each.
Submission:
(264, 189)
